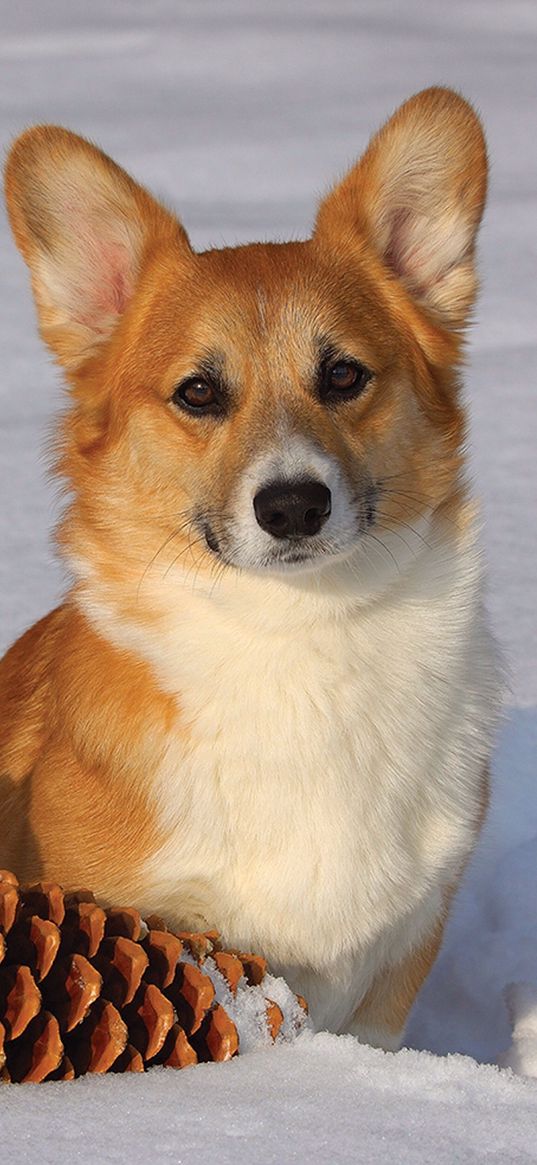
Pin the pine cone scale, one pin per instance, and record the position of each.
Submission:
(164, 951)
(37, 1053)
(9, 901)
(83, 929)
(99, 1039)
(21, 1000)
(149, 1017)
(70, 990)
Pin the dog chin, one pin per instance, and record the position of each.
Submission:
(294, 563)
(306, 563)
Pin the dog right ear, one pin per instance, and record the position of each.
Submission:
(416, 198)
(85, 229)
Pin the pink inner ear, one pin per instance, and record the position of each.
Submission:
(406, 256)
(119, 284)
(400, 259)
(395, 252)
(98, 270)
(110, 283)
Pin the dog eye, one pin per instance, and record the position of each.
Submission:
(344, 380)
(197, 395)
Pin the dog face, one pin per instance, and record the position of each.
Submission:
(268, 408)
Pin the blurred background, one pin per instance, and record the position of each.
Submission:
(240, 113)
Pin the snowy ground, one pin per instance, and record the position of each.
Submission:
(240, 112)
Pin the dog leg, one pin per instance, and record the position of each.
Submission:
(381, 1017)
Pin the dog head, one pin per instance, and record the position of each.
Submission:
(271, 407)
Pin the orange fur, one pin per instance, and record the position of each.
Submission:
(83, 725)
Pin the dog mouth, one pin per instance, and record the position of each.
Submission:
(293, 554)
(291, 559)
(280, 557)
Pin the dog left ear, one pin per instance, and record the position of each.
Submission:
(417, 196)
(85, 229)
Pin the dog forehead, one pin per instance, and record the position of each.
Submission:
(271, 300)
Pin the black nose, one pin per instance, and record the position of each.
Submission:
(293, 508)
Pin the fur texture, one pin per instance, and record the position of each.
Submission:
(284, 737)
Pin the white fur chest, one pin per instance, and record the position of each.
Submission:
(323, 783)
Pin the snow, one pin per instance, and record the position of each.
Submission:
(247, 1007)
(325, 1099)
(240, 113)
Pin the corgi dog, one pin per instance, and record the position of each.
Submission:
(267, 701)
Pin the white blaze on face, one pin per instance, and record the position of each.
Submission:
(292, 459)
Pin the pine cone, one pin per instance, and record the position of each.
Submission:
(83, 989)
